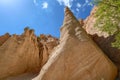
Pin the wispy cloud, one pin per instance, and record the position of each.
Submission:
(77, 10)
(86, 1)
(44, 5)
(79, 5)
(35, 2)
(65, 2)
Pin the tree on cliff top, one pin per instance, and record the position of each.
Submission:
(108, 18)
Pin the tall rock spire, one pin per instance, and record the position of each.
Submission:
(68, 15)
(71, 26)
(76, 57)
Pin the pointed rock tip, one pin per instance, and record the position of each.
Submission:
(68, 11)
(66, 8)
(68, 15)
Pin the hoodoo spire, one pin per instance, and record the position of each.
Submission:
(68, 15)
(71, 26)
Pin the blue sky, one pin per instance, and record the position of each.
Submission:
(44, 16)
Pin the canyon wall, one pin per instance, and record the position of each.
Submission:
(24, 53)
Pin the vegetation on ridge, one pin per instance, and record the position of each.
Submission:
(108, 18)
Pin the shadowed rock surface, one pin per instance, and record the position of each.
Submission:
(77, 57)
(112, 52)
(102, 39)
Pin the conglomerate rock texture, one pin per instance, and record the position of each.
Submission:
(77, 57)
(24, 53)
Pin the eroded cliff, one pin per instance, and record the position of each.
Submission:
(24, 53)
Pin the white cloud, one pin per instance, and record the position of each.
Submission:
(44, 5)
(77, 10)
(86, 1)
(65, 2)
(79, 5)
(35, 2)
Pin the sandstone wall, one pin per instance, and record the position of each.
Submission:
(24, 53)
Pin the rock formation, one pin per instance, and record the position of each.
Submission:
(48, 43)
(4, 38)
(77, 57)
(89, 25)
(102, 39)
(24, 53)
(105, 44)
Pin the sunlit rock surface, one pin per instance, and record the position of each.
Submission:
(77, 57)
(24, 53)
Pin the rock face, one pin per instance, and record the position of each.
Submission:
(112, 52)
(4, 38)
(77, 57)
(24, 53)
(89, 24)
(105, 44)
(102, 39)
(47, 44)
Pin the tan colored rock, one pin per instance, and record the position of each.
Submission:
(105, 44)
(112, 52)
(23, 54)
(89, 24)
(48, 43)
(19, 54)
(4, 38)
(103, 40)
(77, 57)
(81, 22)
